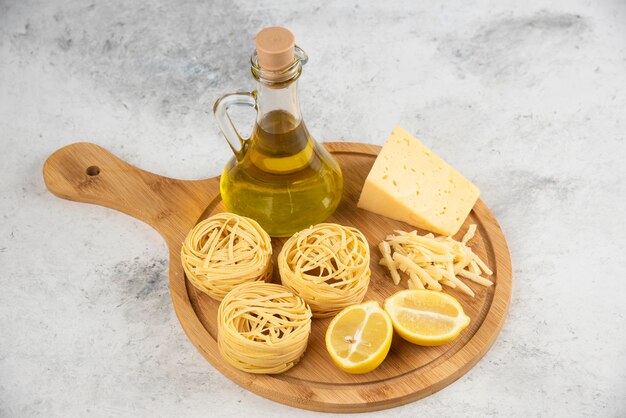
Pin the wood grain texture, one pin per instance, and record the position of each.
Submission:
(173, 207)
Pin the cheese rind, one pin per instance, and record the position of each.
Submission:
(410, 183)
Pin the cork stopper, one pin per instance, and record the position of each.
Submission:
(274, 46)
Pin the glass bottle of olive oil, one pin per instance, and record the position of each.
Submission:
(280, 176)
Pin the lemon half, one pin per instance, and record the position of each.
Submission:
(359, 337)
(426, 317)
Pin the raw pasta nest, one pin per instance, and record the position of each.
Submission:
(263, 328)
(327, 265)
(226, 250)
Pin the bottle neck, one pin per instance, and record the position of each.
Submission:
(278, 103)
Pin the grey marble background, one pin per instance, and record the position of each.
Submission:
(528, 99)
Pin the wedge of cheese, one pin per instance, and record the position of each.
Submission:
(409, 183)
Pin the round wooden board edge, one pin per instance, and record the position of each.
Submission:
(396, 391)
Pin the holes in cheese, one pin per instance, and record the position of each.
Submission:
(429, 195)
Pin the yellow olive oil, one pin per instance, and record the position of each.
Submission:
(282, 178)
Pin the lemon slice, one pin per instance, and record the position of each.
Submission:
(359, 337)
(426, 317)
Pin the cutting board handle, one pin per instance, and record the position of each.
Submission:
(86, 172)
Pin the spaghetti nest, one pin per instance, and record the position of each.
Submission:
(327, 265)
(263, 328)
(226, 250)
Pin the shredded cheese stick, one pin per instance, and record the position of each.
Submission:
(448, 283)
(462, 286)
(431, 261)
(469, 234)
(475, 278)
(386, 252)
(482, 265)
(415, 282)
(473, 267)
(406, 264)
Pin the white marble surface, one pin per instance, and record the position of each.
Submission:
(528, 99)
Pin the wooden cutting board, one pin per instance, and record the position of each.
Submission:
(87, 173)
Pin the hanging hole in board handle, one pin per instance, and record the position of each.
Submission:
(93, 170)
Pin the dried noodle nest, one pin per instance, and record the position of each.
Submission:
(263, 328)
(327, 265)
(224, 251)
